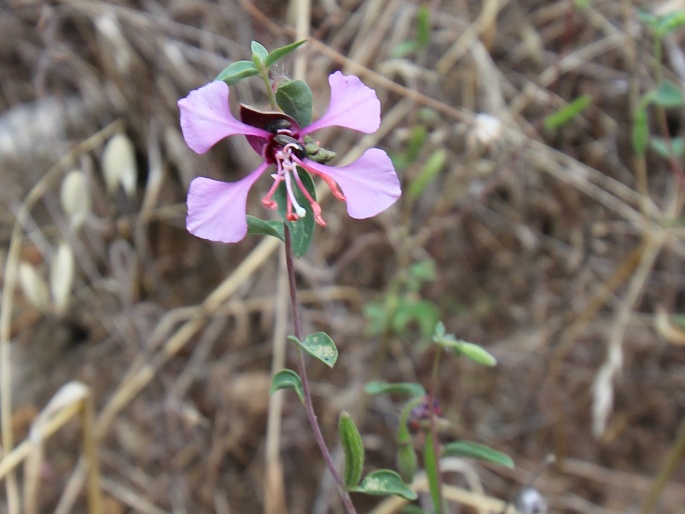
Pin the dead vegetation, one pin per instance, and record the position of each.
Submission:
(556, 249)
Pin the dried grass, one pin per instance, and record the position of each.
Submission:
(555, 249)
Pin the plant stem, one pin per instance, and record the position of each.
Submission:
(309, 407)
(269, 91)
(434, 433)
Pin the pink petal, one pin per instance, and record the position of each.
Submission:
(370, 183)
(216, 210)
(353, 105)
(206, 118)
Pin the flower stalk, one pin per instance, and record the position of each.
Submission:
(302, 370)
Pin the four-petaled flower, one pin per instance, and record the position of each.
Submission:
(217, 210)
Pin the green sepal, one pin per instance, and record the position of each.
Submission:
(318, 345)
(295, 98)
(259, 54)
(278, 54)
(477, 451)
(410, 389)
(301, 230)
(237, 71)
(287, 379)
(352, 448)
(384, 482)
(260, 227)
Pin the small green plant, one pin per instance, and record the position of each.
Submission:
(666, 95)
(420, 420)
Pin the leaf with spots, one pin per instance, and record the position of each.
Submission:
(319, 345)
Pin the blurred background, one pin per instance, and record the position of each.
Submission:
(540, 148)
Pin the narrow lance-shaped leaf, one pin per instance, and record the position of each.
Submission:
(477, 451)
(287, 379)
(353, 449)
(430, 460)
(566, 114)
(237, 71)
(640, 132)
(407, 388)
(278, 54)
(318, 345)
(259, 54)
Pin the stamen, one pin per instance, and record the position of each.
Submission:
(299, 210)
(316, 208)
(268, 200)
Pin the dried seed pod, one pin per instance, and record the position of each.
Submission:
(75, 198)
(62, 276)
(119, 165)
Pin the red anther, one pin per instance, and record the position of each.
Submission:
(316, 209)
(333, 187)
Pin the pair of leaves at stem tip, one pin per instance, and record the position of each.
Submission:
(261, 58)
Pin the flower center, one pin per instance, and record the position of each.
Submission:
(283, 150)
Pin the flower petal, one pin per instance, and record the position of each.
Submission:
(370, 184)
(353, 105)
(217, 210)
(206, 118)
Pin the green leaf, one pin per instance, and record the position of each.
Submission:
(648, 18)
(237, 71)
(278, 54)
(407, 462)
(640, 132)
(295, 98)
(412, 509)
(477, 451)
(476, 353)
(410, 389)
(302, 230)
(434, 165)
(567, 113)
(661, 146)
(352, 448)
(287, 379)
(259, 54)
(404, 48)
(439, 330)
(423, 22)
(430, 461)
(384, 482)
(670, 22)
(667, 94)
(261, 227)
(319, 345)
(423, 312)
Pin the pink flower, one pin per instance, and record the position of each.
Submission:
(217, 210)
